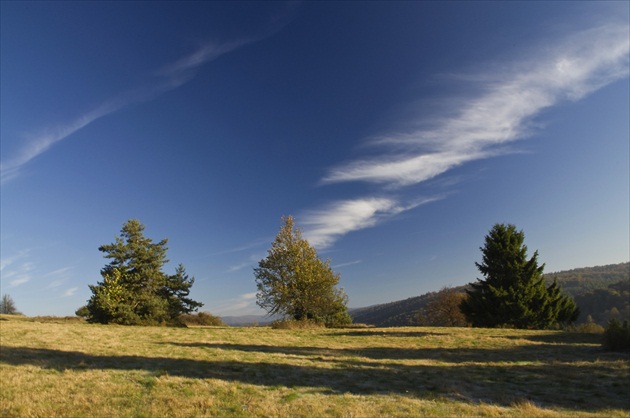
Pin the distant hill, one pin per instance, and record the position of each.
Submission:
(394, 314)
(600, 292)
(582, 280)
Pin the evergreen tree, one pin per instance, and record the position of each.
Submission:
(292, 281)
(134, 289)
(563, 307)
(176, 291)
(514, 293)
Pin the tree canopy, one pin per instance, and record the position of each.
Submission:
(294, 282)
(443, 309)
(513, 292)
(134, 289)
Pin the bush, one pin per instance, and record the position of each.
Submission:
(617, 336)
(201, 318)
(587, 328)
(339, 319)
(295, 324)
(56, 319)
(82, 312)
(356, 326)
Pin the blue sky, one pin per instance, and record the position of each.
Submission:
(397, 134)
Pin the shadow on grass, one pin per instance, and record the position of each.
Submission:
(527, 353)
(373, 333)
(589, 386)
(570, 338)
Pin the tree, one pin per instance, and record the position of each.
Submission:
(443, 309)
(7, 306)
(561, 306)
(134, 289)
(294, 282)
(176, 291)
(513, 293)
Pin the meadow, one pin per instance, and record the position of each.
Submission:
(76, 369)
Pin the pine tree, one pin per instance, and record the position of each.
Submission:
(292, 281)
(139, 258)
(176, 291)
(514, 293)
(563, 307)
(134, 289)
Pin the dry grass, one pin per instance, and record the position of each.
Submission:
(77, 369)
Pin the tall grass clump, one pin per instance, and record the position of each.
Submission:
(617, 335)
(296, 324)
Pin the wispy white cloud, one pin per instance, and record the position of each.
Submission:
(36, 144)
(24, 278)
(59, 272)
(253, 244)
(69, 292)
(322, 227)
(58, 276)
(5, 262)
(503, 113)
(238, 306)
(15, 271)
(186, 67)
(238, 267)
(55, 284)
(169, 78)
(349, 263)
(475, 128)
(403, 170)
(251, 261)
(19, 275)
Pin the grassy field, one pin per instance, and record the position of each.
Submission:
(76, 369)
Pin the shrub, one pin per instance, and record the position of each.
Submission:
(57, 319)
(356, 326)
(339, 319)
(82, 312)
(588, 328)
(201, 318)
(617, 336)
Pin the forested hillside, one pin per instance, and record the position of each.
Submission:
(601, 292)
(582, 280)
(602, 305)
(395, 314)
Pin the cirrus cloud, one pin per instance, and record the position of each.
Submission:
(324, 226)
(502, 113)
(479, 127)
